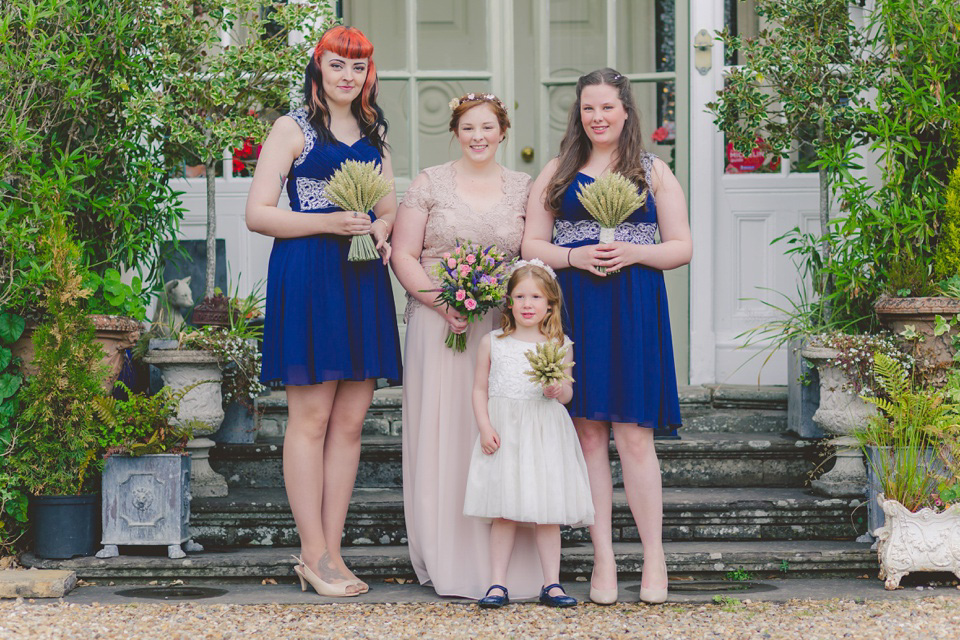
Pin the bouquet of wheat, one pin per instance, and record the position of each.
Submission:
(610, 199)
(547, 365)
(358, 186)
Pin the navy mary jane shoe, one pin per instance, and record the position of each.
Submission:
(494, 601)
(556, 601)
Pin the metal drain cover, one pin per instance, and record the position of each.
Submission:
(172, 593)
(715, 586)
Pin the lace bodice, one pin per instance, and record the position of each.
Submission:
(508, 365)
(449, 218)
(575, 227)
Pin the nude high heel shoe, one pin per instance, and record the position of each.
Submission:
(322, 588)
(602, 596)
(651, 595)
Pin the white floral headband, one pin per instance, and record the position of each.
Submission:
(470, 97)
(536, 262)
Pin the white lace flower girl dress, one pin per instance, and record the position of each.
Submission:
(538, 474)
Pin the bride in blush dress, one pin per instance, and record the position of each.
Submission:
(473, 199)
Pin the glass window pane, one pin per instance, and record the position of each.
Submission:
(657, 102)
(393, 101)
(741, 19)
(578, 37)
(384, 22)
(646, 36)
(437, 144)
(452, 34)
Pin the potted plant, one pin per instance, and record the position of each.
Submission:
(55, 441)
(146, 473)
(238, 346)
(912, 446)
(845, 367)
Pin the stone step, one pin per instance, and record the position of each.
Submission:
(685, 561)
(730, 408)
(261, 517)
(697, 459)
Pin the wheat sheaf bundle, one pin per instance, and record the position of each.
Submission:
(358, 186)
(547, 365)
(611, 198)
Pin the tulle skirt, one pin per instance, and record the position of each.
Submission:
(538, 475)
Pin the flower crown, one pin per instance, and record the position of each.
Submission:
(536, 262)
(470, 97)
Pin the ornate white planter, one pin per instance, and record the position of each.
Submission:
(839, 414)
(181, 368)
(921, 541)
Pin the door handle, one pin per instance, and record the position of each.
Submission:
(526, 154)
(703, 58)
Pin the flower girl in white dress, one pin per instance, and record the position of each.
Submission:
(527, 466)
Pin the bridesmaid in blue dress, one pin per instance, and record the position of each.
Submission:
(331, 325)
(619, 320)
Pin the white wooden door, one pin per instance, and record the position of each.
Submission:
(734, 218)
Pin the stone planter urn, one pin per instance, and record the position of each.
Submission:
(181, 368)
(935, 352)
(841, 411)
(146, 501)
(920, 541)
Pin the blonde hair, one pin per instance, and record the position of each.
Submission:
(552, 324)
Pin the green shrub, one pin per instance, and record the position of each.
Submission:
(67, 73)
(947, 258)
(56, 438)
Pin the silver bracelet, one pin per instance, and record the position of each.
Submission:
(386, 226)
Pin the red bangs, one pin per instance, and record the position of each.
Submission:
(348, 42)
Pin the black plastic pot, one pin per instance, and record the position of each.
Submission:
(65, 526)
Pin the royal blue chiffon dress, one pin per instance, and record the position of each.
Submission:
(326, 318)
(620, 324)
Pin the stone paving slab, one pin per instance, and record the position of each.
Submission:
(391, 593)
(36, 583)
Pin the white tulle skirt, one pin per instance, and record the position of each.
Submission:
(538, 475)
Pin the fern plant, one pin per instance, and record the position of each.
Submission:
(903, 442)
(142, 424)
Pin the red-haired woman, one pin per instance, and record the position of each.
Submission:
(625, 371)
(330, 327)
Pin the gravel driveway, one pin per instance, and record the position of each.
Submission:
(937, 617)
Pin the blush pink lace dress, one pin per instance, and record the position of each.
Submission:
(450, 551)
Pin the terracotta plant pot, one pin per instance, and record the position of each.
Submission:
(936, 352)
(116, 334)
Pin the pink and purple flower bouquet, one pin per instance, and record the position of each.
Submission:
(473, 280)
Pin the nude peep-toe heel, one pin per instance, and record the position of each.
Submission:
(602, 596)
(323, 588)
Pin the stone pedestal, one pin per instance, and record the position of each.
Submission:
(841, 411)
(204, 481)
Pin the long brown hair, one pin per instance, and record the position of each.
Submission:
(552, 324)
(576, 146)
(348, 42)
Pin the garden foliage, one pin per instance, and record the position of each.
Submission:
(68, 71)
(55, 441)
